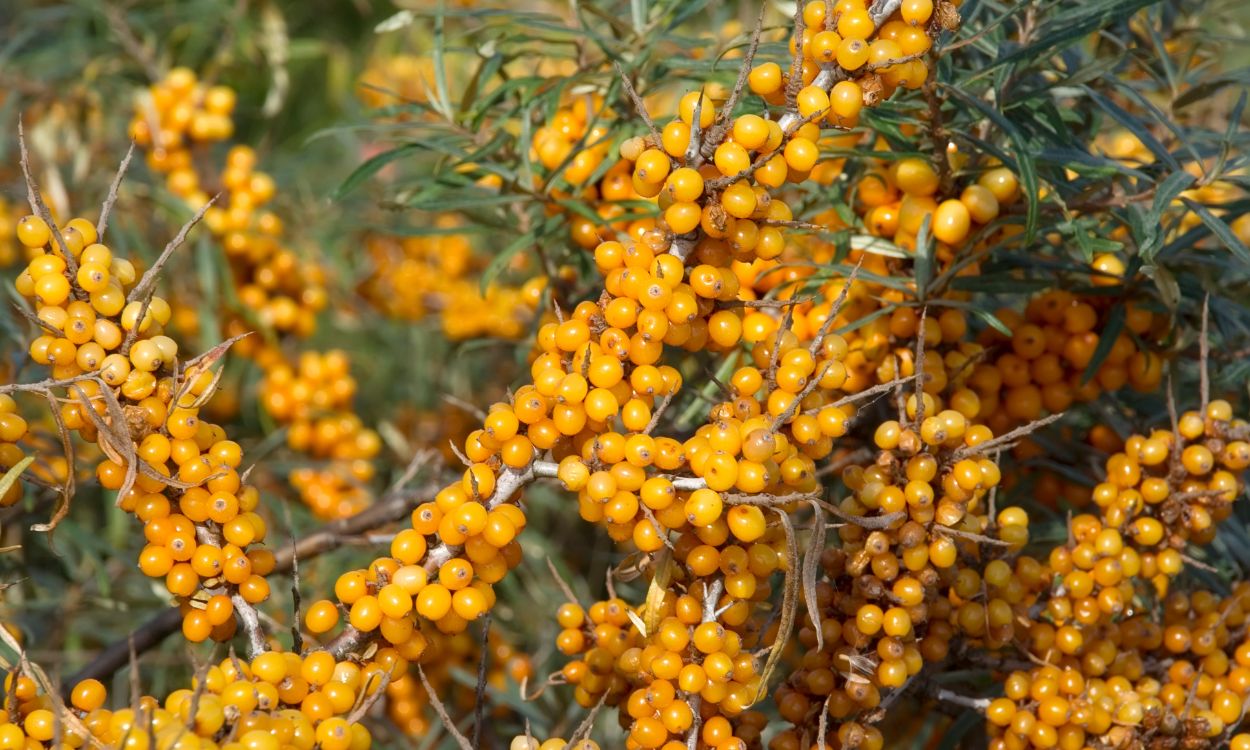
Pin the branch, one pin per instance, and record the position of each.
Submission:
(744, 73)
(396, 505)
(148, 280)
(249, 622)
(639, 105)
(976, 704)
(41, 210)
(107, 208)
(710, 596)
(871, 523)
(441, 710)
(507, 484)
(883, 9)
(1005, 438)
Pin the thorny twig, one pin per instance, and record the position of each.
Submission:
(147, 283)
(1006, 438)
(116, 185)
(834, 309)
(480, 693)
(639, 105)
(41, 210)
(441, 710)
(744, 71)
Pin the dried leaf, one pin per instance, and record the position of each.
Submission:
(789, 604)
(811, 564)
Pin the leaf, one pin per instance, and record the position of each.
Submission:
(11, 476)
(1022, 157)
(1106, 339)
(663, 567)
(1220, 230)
(1165, 193)
(638, 623)
(811, 565)
(372, 166)
(992, 320)
(1135, 126)
(924, 258)
(638, 13)
(953, 737)
(789, 603)
(1204, 90)
(1067, 27)
(500, 261)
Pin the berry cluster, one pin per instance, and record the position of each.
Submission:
(918, 568)
(127, 391)
(574, 144)
(435, 275)
(173, 116)
(276, 700)
(172, 119)
(313, 400)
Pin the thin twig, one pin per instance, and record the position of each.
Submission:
(479, 702)
(744, 72)
(835, 308)
(775, 355)
(793, 408)
(978, 704)
(659, 412)
(148, 281)
(567, 590)
(441, 710)
(764, 303)
(1005, 438)
(796, 63)
(1204, 355)
(694, 156)
(918, 364)
(369, 699)
(117, 22)
(639, 105)
(468, 408)
(114, 188)
(41, 210)
(970, 536)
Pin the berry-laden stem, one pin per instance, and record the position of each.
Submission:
(509, 482)
(710, 597)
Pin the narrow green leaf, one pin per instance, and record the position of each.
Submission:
(1220, 230)
(1106, 339)
(1067, 27)
(503, 257)
(1169, 289)
(1134, 125)
(638, 13)
(442, 100)
(992, 320)
(924, 258)
(372, 166)
(1165, 193)
(1204, 90)
(953, 737)
(10, 477)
